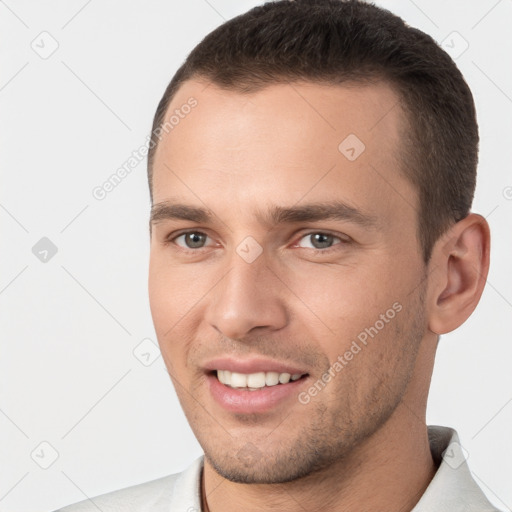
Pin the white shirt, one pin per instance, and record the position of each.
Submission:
(451, 490)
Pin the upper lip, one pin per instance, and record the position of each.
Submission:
(253, 365)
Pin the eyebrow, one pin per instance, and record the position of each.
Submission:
(168, 211)
(314, 212)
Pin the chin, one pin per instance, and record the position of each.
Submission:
(261, 474)
(251, 466)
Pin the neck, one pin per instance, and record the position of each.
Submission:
(389, 471)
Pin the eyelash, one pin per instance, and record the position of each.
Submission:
(172, 238)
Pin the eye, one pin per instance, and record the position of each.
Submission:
(319, 240)
(191, 240)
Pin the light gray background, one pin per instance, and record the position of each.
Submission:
(70, 325)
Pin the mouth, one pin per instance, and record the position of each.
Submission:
(255, 381)
(255, 386)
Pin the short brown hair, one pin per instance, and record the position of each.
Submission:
(336, 41)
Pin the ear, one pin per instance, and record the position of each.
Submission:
(460, 264)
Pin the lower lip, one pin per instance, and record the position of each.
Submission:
(244, 401)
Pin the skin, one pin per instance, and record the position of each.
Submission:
(238, 155)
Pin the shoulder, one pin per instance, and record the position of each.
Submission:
(155, 495)
(137, 497)
(453, 487)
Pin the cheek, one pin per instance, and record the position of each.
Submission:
(343, 299)
(160, 298)
(173, 292)
(360, 303)
(174, 297)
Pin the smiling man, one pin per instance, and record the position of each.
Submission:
(312, 171)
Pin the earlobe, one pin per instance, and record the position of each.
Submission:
(461, 259)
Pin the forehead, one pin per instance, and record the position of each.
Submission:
(372, 111)
(284, 142)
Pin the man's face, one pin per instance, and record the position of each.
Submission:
(266, 284)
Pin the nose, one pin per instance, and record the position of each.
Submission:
(248, 298)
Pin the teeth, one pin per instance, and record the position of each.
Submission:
(254, 381)
(271, 378)
(238, 380)
(284, 378)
